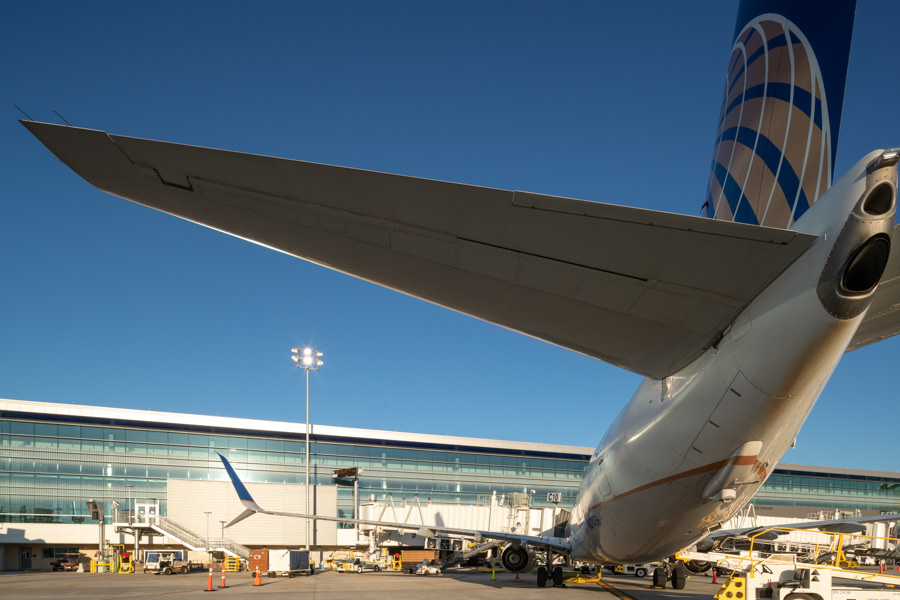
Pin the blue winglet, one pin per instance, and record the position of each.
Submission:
(243, 494)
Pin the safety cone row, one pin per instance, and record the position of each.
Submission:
(209, 587)
(257, 580)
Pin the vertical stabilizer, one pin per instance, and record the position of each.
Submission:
(781, 111)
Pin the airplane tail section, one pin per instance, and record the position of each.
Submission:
(781, 111)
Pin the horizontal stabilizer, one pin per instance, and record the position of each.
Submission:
(644, 290)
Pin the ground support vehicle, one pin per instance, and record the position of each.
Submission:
(167, 562)
(724, 562)
(489, 565)
(357, 565)
(425, 568)
(288, 563)
(331, 564)
(779, 577)
(636, 570)
(65, 564)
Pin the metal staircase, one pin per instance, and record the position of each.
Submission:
(191, 540)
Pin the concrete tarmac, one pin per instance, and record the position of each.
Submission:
(459, 585)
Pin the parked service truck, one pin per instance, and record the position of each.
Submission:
(167, 562)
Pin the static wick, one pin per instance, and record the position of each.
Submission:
(60, 116)
(22, 111)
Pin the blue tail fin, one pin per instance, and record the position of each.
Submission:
(781, 111)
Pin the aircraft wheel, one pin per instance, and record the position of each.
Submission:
(557, 576)
(679, 578)
(640, 572)
(659, 577)
(542, 576)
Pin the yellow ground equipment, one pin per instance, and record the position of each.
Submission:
(232, 564)
(121, 561)
(733, 589)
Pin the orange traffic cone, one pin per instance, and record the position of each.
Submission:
(517, 575)
(898, 567)
(209, 587)
(257, 580)
(222, 585)
(715, 579)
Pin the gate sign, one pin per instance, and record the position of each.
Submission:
(554, 497)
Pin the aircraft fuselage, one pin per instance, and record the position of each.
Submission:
(655, 483)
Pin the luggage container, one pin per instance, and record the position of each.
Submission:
(411, 558)
(259, 560)
(287, 563)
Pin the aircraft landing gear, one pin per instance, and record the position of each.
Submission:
(676, 574)
(678, 578)
(552, 574)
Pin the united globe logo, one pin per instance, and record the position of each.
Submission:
(772, 157)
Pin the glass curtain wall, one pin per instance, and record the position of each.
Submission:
(48, 471)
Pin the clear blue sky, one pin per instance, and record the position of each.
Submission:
(108, 303)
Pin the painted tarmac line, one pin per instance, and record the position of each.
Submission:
(614, 591)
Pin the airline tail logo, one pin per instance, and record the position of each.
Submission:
(773, 152)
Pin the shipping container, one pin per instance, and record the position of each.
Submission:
(259, 560)
(412, 558)
(290, 563)
(286, 561)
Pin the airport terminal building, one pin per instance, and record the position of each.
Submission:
(55, 457)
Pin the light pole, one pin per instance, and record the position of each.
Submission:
(308, 359)
(208, 552)
(222, 523)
